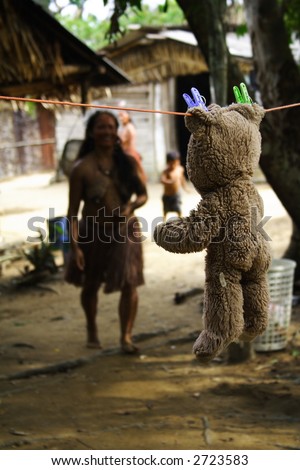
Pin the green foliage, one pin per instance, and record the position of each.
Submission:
(30, 109)
(43, 3)
(77, 3)
(147, 17)
(125, 13)
(124, 4)
(164, 8)
(241, 29)
(96, 34)
(291, 12)
(41, 257)
(89, 30)
(295, 353)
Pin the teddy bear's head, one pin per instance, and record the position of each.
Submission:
(225, 144)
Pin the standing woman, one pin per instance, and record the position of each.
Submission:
(127, 134)
(106, 243)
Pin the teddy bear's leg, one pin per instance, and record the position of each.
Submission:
(223, 313)
(256, 304)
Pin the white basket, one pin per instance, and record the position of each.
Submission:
(281, 280)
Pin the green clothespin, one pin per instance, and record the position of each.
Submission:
(241, 95)
(237, 94)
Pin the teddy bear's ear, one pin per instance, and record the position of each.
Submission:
(200, 117)
(252, 112)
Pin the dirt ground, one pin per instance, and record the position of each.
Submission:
(56, 394)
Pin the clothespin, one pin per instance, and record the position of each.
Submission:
(241, 95)
(197, 100)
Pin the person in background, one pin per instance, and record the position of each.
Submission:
(127, 134)
(106, 243)
(173, 179)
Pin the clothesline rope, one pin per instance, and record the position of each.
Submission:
(120, 108)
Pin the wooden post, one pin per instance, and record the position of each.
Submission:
(46, 120)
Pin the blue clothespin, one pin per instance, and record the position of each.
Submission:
(197, 99)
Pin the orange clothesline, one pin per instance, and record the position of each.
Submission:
(86, 105)
(121, 108)
(283, 107)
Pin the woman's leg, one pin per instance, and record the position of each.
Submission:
(89, 302)
(127, 313)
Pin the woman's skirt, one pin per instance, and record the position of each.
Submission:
(113, 255)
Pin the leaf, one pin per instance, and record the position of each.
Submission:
(241, 29)
(295, 353)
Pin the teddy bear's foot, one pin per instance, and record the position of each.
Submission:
(248, 336)
(252, 331)
(208, 345)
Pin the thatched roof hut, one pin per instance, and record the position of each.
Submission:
(162, 63)
(39, 57)
(154, 54)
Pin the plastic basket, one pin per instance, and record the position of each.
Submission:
(281, 280)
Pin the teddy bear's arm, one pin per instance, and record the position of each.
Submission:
(188, 234)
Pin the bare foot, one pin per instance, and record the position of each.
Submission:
(129, 348)
(93, 345)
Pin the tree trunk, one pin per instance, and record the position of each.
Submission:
(278, 78)
(218, 51)
(46, 120)
(206, 20)
(19, 137)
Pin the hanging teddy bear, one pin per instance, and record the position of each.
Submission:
(223, 151)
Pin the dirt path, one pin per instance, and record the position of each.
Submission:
(161, 399)
(74, 398)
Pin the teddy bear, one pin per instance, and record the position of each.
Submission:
(223, 150)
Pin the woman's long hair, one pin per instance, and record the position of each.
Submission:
(127, 175)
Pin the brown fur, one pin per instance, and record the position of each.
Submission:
(223, 150)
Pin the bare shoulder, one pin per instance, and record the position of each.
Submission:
(179, 170)
(131, 127)
(82, 167)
